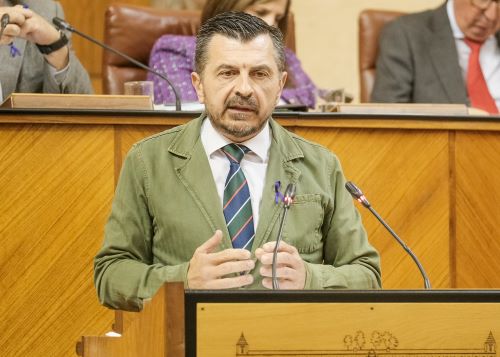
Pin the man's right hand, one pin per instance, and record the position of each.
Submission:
(17, 18)
(209, 270)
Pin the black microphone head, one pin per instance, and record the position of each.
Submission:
(61, 24)
(353, 190)
(357, 193)
(5, 20)
(290, 190)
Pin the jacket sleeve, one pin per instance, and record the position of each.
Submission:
(394, 78)
(76, 79)
(350, 262)
(173, 56)
(124, 271)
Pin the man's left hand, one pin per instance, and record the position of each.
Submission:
(290, 268)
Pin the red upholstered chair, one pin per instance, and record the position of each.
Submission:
(371, 23)
(134, 30)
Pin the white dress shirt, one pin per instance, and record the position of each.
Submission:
(489, 57)
(253, 164)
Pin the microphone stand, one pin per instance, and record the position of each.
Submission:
(360, 197)
(287, 200)
(63, 25)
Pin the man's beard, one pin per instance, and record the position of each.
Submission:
(238, 127)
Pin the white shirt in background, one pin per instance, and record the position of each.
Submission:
(489, 57)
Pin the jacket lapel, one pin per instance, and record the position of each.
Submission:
(280, 168)
(194, 171)
(444, 57)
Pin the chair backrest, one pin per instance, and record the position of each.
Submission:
(371, 23)
(133, 30)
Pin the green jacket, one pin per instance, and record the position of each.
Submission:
(166, 205)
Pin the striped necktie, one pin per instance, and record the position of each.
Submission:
(237, 203)
(477, 88)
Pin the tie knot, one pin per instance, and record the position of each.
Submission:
(235, 152)
(474, 45)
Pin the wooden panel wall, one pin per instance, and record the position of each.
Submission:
(405, 177)
(437, 188)
(477, 208)
(56, 188)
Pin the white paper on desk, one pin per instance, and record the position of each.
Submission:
(185, 106)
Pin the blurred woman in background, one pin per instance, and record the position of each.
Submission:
(173, 55)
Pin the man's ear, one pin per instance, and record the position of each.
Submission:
(198, 86)
(283, 78)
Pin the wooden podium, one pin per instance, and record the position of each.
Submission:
(433, 178)
(397, 323)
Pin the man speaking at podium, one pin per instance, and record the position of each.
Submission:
(34, 56)
(201, 203)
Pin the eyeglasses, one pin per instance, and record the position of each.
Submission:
(484, 4)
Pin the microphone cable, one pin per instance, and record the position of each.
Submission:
(63, 25)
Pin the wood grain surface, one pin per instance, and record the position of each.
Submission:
(346, 329)
(436, 186)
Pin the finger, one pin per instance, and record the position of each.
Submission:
(259, 252)
(11, 31)
(211, 244)
(6, 40)
(283, 247)
(232, 282)
(267, 283)
(283, 284)
(282, 258)
(18, 15)
(230, 255)
(268, 247)
(233, 267)
(282, 272)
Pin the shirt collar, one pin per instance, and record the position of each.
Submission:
(457, 33)
(212, 140)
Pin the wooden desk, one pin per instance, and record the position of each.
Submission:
(433, 179)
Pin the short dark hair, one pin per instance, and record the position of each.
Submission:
(239, 26)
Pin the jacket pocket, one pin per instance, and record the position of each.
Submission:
(303, 224)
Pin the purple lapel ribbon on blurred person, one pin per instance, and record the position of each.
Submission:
(14, 51)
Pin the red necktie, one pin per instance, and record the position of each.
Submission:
(477, 89)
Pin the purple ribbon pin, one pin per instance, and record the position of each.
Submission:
(278, 196)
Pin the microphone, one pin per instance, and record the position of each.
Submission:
(4, 21)
(287, 200)
(359, 196)
(63, 25)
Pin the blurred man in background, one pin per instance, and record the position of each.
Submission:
(35, 57)
(447, 55)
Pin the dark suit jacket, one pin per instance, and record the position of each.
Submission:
(29, 72)
(418, 61)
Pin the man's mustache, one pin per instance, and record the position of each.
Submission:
(246, 103)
